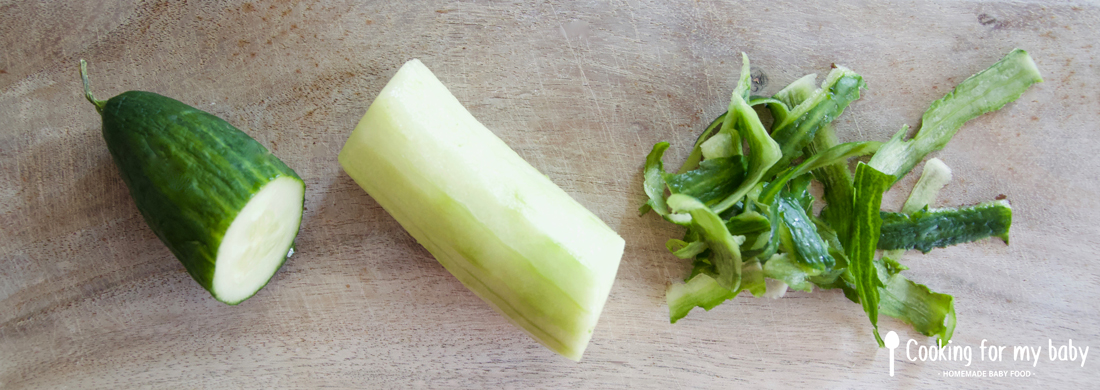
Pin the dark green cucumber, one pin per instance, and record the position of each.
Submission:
(192, 174)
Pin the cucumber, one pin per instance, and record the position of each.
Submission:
(496, 223)
(226, 207)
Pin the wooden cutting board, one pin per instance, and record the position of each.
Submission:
(89, 298)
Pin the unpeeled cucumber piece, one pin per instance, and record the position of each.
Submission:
(497, 224)
(226, 207)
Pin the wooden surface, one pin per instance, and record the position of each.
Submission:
(89, 298)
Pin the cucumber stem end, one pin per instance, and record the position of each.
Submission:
(99, 104)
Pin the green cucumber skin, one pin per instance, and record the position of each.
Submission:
(189, 173)
(939, 228)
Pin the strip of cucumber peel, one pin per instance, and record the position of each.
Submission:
(727, 133)
(702, 290)
(986, 91)
(940, 228)
(928, 312)
(725, 251)
(748, 222)
(935, 175)
(808, 247)
(654, 175)
(869, 186)
(765, 151)
(932, 179)
(713, 180)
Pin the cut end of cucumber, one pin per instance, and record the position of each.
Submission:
(259, 240)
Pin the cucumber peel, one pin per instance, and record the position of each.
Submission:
(939, 228)
(760, 233)
(986, 91)
(870, 184)
(933, 178)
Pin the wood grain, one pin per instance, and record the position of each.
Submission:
(89, 298)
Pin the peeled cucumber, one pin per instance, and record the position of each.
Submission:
(496, 223)
(226, 207)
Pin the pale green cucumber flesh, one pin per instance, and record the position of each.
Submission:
(497, 224)
(258, 240)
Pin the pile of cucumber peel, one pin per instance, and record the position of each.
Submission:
(744, 197)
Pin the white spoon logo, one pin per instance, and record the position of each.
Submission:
(891, 341)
